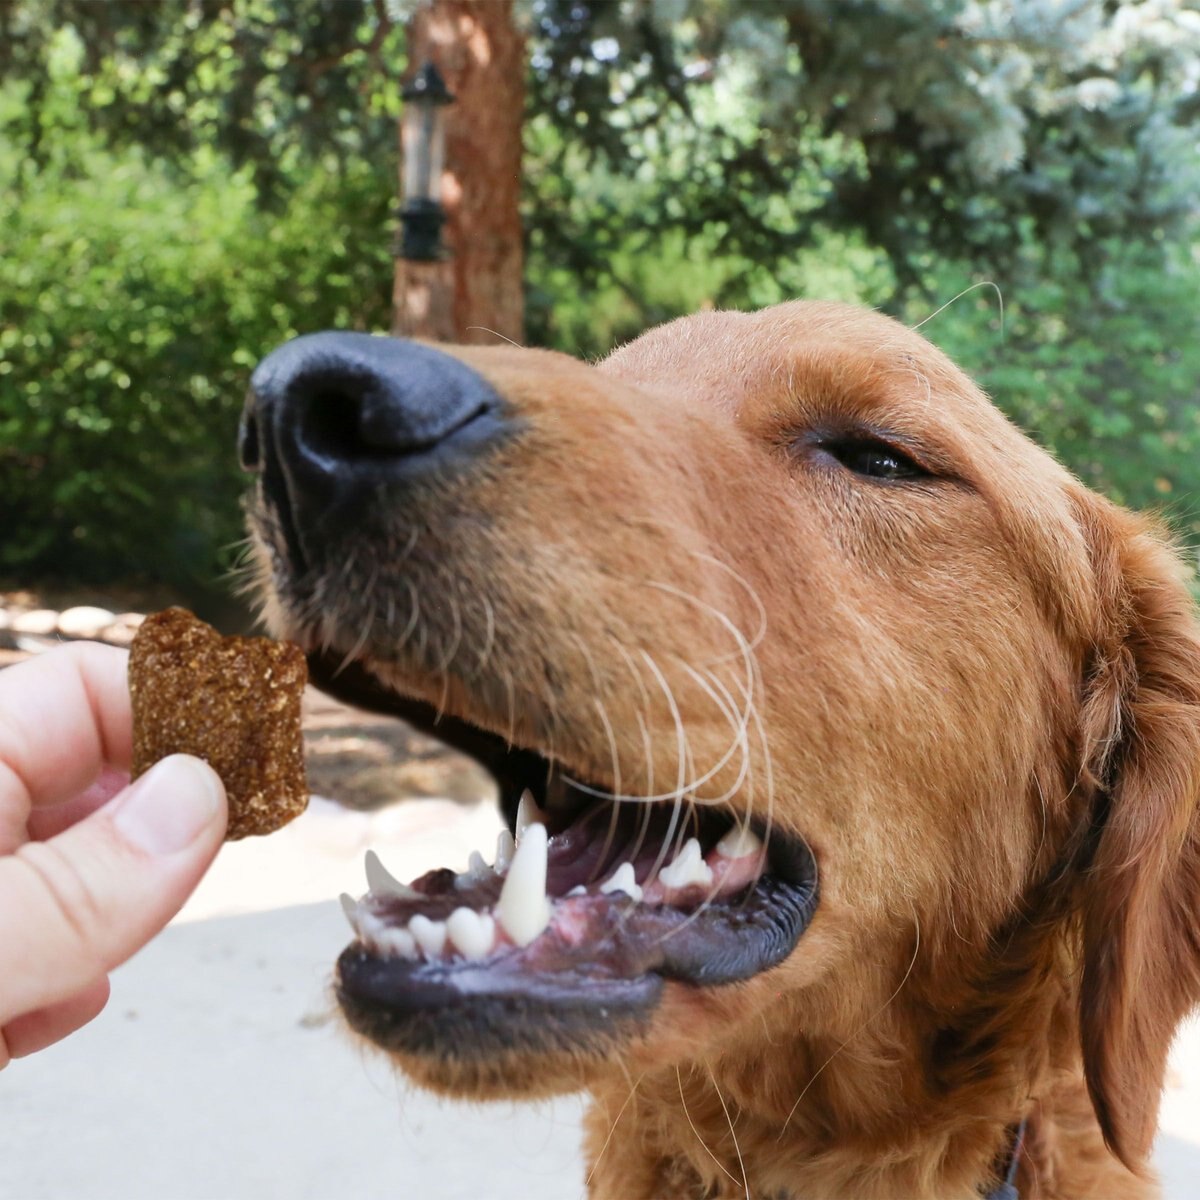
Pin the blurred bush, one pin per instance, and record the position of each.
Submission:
(133, 306)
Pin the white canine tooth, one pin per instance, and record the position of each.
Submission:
(350, 908)
(578, 890)
(523, 908)
(471, 933)
(688, 868)
(396, 941)
(528, 813)
(622, 880)
(739, 842)
(429, 935)
(382, 882)
(504, 851)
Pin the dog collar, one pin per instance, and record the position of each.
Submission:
(1007, 1188)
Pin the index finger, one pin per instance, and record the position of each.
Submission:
(63, 716)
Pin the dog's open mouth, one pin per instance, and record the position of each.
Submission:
(589, 904)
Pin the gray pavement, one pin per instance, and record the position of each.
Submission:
(218, 1073)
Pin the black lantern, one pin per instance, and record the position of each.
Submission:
(423, 132)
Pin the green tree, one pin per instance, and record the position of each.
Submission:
(966, 131)
(281, 87)
(184, 183)
(962, 130)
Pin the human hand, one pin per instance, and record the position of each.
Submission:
(91, 867)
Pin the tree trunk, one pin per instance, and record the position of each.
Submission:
(476, 294)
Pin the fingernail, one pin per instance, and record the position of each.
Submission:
(170, 806)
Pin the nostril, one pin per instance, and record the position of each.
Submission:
(331, 426)
(248, 451)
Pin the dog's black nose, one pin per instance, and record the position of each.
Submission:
(332, 417)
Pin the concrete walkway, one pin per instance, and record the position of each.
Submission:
(218, 1071)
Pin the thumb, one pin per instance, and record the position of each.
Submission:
(74, 907)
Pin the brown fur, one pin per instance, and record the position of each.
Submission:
(979, 699)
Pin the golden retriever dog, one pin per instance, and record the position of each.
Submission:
(849, 749)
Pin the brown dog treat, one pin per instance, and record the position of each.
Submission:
(232, 701)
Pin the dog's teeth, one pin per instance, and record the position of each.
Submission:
(688, 868)
(528, 813)
(477, 871)
(578, 890)
(739, 842)
(396, 941)
(371, 929)
(429, 935)
(350, 908)
(523, 908)
(471, 933)
(382, 882)
(504, 851)
(622, 880)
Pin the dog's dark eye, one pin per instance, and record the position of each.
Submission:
(873, 458)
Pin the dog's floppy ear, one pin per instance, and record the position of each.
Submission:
(1141, 877)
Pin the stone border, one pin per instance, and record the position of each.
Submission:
(35, 629)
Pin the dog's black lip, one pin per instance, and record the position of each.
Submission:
(432, 1012)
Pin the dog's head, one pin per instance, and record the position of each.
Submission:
(822, 679)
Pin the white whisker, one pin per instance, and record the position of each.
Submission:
(679, 1079)
(613, 1128)
(983, 283)
(876, 1013)
(494, 333)
(489, 634)
(732, 1132)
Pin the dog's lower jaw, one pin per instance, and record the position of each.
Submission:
(512, 1078)
(564, 1065)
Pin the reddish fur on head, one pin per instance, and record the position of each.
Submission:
(981, 699)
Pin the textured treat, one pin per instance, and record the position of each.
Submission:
(232, 701)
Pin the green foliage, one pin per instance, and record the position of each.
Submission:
(1106, 377)
(959, 130)
(604, 261)
(891, 152)
(133, 306)
(273, 85)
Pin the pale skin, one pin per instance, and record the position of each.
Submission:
(91, 867)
